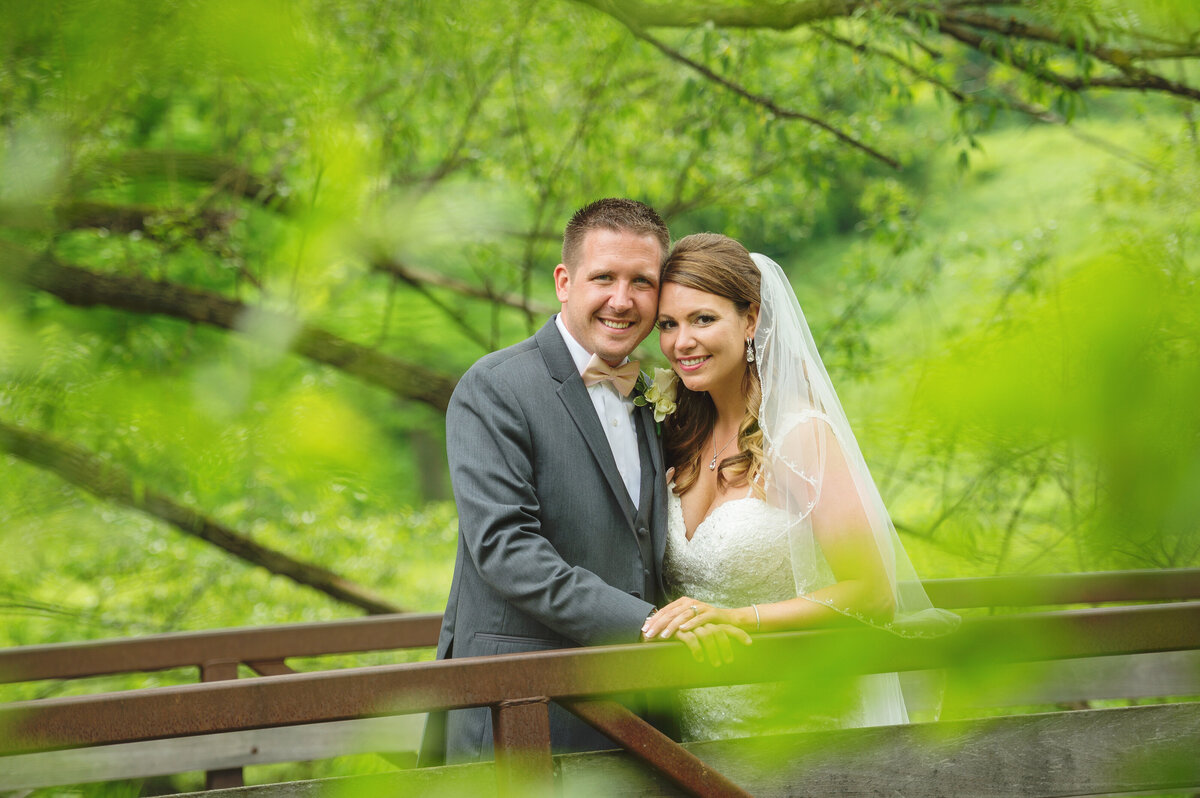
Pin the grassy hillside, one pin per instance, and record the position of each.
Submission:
(1059, 259)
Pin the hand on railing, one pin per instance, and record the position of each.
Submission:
(707, 631)
(713, 641)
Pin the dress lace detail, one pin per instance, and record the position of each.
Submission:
(737, 556)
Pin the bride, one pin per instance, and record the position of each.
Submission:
(774, 522)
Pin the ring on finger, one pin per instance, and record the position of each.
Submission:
(695, 610)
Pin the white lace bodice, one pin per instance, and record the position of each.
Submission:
(740, 555)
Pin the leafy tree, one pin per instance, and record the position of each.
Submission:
(247, 247)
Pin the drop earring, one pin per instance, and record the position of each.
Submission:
(749, 350)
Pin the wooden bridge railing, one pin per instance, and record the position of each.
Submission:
(518, 687)
(265, 649)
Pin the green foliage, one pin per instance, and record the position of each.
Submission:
(1052, 367)
(377, 140)
(1011, 319)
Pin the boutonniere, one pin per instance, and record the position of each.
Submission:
(658, 392)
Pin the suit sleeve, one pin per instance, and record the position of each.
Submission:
(490, 449)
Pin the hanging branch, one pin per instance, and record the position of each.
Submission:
(678, 205)
(1044, 115)
(101, 478)
(548, 180)
(964, 27)
(453, 160)
(454, 314)
(775, 16)
(955, 20)
(424, 277)
(84, 288)
(126, 219)
(1134, 78)
(225, 173)
(88, 214)
(1120, 58)
(741, 91)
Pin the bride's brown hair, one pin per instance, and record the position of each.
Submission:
(715, 264)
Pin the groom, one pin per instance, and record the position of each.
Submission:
(557, 476)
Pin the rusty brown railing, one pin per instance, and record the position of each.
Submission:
(519, 687)
(265, 649)
(1178, 584)
(217, 654)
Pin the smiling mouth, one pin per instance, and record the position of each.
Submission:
(616, 325)
(691, 362)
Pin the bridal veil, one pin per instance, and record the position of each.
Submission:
(801, 419)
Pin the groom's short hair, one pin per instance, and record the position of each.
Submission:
(616, 214)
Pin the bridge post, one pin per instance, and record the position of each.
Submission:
(521, 734)
(215, 671)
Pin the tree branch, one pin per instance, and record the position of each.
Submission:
(951, 18)
(1044, 115)
(86, 214)
(776, 16)
(1011, 26)
(452, 160)
(548, 181)
(225, 173)
(453, 313)
(424, 277)
(100, 478)
(1134, 78)
(912, 69)
(984, 477)
(612, 9)
(678, 205)
(84, 288)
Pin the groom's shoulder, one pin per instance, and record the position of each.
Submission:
(505, 360)
(514, 365)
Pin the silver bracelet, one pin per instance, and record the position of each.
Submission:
(757, 618)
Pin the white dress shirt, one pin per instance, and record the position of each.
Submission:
(616, 417)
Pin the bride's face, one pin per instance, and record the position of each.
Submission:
(704, 337)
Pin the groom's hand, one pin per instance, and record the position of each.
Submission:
(704, 629)
(714, 642)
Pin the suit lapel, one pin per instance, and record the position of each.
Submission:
(645, 416)
(658, 510)
(579, 405)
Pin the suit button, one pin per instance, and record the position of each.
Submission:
(643, 531)
(646, 572)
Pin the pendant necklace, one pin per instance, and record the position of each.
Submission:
(712, 464)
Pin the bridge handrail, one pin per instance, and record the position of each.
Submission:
(1099, 587)
(580, 674)
(393, 632)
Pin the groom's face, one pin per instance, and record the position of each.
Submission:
(610, 296)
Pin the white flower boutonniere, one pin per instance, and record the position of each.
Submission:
(660, 392)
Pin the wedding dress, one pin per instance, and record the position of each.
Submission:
(760, 548)
(739, 555)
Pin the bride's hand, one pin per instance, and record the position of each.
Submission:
(685, 615)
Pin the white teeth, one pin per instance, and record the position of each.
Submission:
(616, 325)
(692, 361)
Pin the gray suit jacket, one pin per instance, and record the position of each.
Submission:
(551, 551)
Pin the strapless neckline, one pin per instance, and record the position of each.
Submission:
(677, 506)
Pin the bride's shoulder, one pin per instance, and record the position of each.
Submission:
(808, 418)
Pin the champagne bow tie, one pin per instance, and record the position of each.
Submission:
(623, 377)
